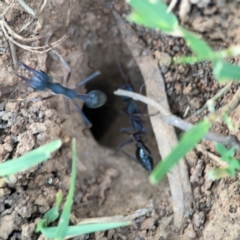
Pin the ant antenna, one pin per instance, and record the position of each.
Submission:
(141, 88)
(89, 64)
(121, 71)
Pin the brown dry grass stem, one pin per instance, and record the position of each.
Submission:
(175, 121)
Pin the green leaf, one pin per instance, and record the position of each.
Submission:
(153, 13)
(188, 141)
(226, 155)
(218, 173)
(234, 165)
(230, 152)
(224, 71)
(83, 229)
(51, 215)
(186, 60)
(220, 149)
(59, 198)
(228, 120)
(64, 219)
(198, 46)
(41, 224)
(30, 159)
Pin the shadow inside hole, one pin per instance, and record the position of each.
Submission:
(108, 120)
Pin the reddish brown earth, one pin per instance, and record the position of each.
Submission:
(108, 183)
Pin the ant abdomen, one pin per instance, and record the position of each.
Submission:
(144, 159)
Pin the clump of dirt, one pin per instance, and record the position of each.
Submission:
(24, 126)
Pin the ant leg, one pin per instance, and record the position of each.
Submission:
(127, 129)
(45, 98)
(140, 114)
(36, 99)
(133, 116)
(147, 114)
(64, 63)
(32, 70)
(88, 79)
(126, 154)
(85, 119)
(126, 79)
(23, 78)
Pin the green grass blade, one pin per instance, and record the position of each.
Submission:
(83, 229)
(59, 198)
(152, 14)
(220, 149)
(198, 46)
(41, 224)
(30, 159)
(224, 71)
(51, 215)
(64, 219)
(186, 143)
(219, 173)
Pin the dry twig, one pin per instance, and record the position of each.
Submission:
(217, 159)
(214, 98)
(27, 8)
(41, 49)
(175, 121)
(4, 12)
(13, 54)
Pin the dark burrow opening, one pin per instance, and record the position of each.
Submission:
(108, 120)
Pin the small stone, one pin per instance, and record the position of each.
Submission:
(148, 223)
(196, 103)
(187, 89)
(26, 143)
(12, 106)
(196, 176)
(8, 147)
(2, 106)
(12, 81)
(4, 57)
(37, 127)
(117, 7)
(49, 113)
(203, 24)
(163, 58)
(198, 219)
(110, 233)
(2, 151)
(4, 192)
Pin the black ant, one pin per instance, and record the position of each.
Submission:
(41, 81)
(143, 154)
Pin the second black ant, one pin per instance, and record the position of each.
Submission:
(143, 154)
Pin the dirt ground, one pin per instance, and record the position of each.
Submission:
(108, 183)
